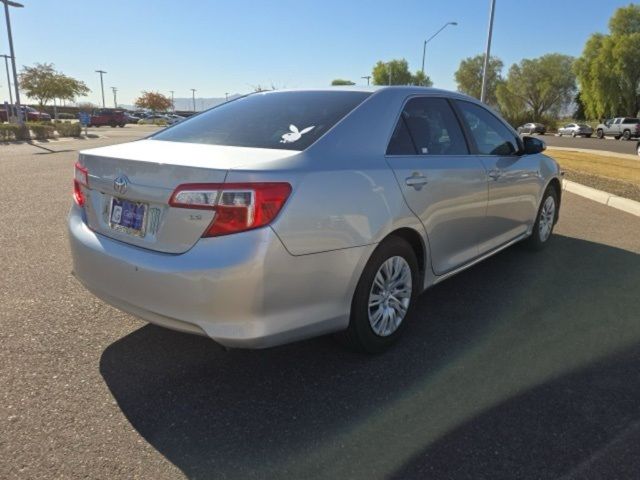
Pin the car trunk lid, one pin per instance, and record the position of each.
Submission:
(129, 187)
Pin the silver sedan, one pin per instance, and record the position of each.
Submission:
(284, 215)
(576, 130)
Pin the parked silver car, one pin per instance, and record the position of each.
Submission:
(576, 130)
(289, 214)
(532, 128)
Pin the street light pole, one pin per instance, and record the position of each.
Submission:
(101, 72)
(115, 98)
(6, 65)
(367, 77)
(424, 46)
(226, 96)
(7, 4)
(485, 68)
(173, 105)
(193, 96)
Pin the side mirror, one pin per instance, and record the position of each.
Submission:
(533, 145)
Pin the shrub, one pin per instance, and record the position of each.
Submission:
(42, 131)
(10, 131)
(68, 129)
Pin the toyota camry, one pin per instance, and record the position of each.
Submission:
(289, 214)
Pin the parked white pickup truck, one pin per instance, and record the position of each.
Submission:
(625, 127)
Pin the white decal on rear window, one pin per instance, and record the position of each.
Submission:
(294, 135)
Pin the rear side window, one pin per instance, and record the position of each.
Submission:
(279, 120)
(631, 120)
(427, 126)
(492, 137)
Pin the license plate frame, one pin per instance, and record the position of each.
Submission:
(123, 221)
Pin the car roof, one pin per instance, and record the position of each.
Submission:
(408, 89)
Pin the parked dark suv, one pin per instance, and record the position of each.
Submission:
(108, 116)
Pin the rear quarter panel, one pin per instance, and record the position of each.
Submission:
(344, 193)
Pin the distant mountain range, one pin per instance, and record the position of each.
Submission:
(186, 104)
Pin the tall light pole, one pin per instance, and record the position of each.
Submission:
(101, 72)
(115, 98)
(424, 46)
(368, 77)
(226, 96)
(487, 55)
(6, 65)
(193, 96)
(7, 4)
(173, 105)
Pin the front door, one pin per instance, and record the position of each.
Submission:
(514, 179)
(442, 183)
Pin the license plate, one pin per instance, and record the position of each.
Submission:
(128, 217)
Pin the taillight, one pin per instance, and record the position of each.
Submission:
(80, 179)
(238, 206)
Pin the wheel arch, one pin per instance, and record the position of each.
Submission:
(418, 245)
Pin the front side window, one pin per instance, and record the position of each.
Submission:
(279, 120)
(492, 137)
(427, 126)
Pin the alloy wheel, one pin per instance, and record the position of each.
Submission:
(390, 296)
(547, 216)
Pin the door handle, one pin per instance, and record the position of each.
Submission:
(495, 173)
(416, 181)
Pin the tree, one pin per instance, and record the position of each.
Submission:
(87, 107)
(341, 81)
(539, 87)
(469, 77)
(396, 72)
(154, 101)
(579, 112)
(421, 79)
(43, 83)
(609, 69)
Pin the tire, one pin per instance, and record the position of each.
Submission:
(617, 137)
(121, 125)
(559, 134)
(540, 236)
(573, 134)
(600, 134)
(588, 135)
(626, 135)
(366, 333)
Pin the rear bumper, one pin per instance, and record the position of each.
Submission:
(242, 290)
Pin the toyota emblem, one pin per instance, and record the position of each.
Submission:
(120, 184)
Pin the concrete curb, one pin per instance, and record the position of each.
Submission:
(620, 203)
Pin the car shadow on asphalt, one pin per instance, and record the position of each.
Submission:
(524, 366)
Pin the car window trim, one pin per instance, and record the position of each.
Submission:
(426, 155)
(476, 150)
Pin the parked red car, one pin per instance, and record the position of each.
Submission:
(31, 114)
(108, 116)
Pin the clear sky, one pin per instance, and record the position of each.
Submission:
(228, 46)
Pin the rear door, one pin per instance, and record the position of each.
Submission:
(514, 179)
(442, 183)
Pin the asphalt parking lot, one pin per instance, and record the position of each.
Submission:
(525, 366)
(607, 144)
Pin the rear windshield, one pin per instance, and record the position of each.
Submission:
(285, 120)
(631, 120)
